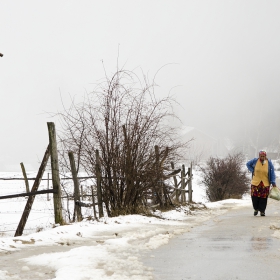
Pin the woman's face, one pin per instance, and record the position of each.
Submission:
(262, 157)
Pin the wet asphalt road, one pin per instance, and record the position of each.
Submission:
(235, 245)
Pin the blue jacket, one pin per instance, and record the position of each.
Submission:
(271, 174)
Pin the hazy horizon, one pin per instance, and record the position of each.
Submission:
(219, 59)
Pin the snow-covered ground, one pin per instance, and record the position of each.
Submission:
(110, 248)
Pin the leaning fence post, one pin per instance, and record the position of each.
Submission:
(35, 187)
(98, 185)
(55, 175)
(77, 209)
(25, 177)
(190, 184)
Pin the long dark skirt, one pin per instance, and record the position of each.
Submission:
(259, 196)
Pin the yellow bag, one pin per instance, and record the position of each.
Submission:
(274, 193)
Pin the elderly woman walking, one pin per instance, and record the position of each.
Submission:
(263, 176)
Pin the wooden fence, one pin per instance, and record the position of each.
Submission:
(175, 193)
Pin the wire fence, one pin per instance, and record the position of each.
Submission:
(41, 215)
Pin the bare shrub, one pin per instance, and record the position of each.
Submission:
(225, 178)
(124, 121)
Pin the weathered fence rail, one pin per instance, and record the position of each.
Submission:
(27, 194)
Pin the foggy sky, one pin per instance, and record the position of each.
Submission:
(221, 57)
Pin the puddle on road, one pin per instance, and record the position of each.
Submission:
(260, 243)
(229, 243)
(220, 243)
